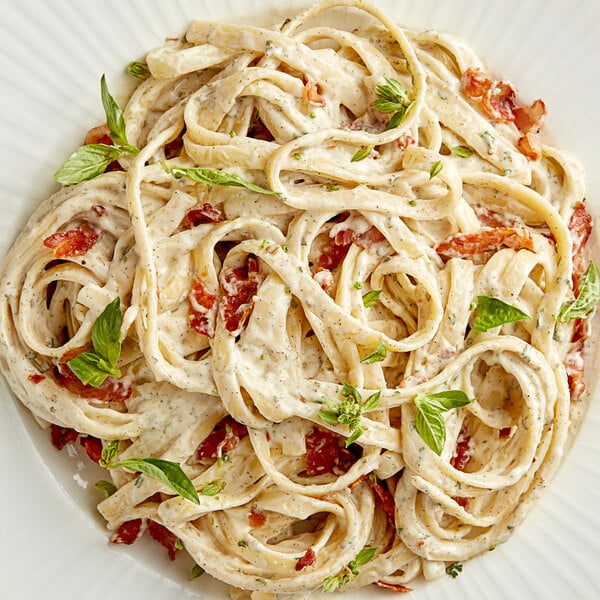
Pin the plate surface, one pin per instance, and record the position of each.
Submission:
(51, 56)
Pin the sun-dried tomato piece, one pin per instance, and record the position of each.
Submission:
(239, 286)
(207, 213)
(112, 389)
(61, 436)
(394, 587)
(92, 447)
(497, 97)
(461, 501)
(128, 532)
(462, 454)
(326, 453)
(530, 118)
(165, 537)
(306, 560)
(202, 309)
(324, 277)
(74, 242)
(383, 499)
(256, 518)
(36, 377)
(334, 250)
(575, 369)
(98, 135)
(580, 227)
(312, 94)
(223, 438)
(464, 245)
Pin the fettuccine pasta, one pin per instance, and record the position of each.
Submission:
(351, 294)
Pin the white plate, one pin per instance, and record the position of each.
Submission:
(53, 544)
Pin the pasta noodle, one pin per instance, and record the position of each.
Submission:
(353, 301)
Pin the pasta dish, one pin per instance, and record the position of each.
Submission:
(317, 297)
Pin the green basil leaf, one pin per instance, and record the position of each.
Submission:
(166, 472)
(365, 556)
(333, 583)
(355, 433)
(91, 369)
(86, 163)
(329, 416)
(362, 153)
(114, 116)
(492, 312)
(454, 569)
(431, 426)
(462, 151)
(109, 453)
(377, 356)
(213, 177)
(212, 488)
(448, 399)
(138, 69)
(372, 402)
(589, 294)
(430, 423)
(106, 333)
(196, 571)
(350, 392)
(436, 167)
(106, 487)
(371, 298)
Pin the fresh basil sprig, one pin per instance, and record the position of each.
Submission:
(349, 411)
(376, 356)
(349, 572)
(164, 471)
(492, 312)
(92, 367)
(392, 98)
(213, 177)
(91, 160)
(589, 294)
(430, 423)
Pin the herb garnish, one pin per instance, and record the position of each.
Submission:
(454, 569)
(376, 356)
(92, 367)
(349, 411)
(436, 167)
(164, 471)
(371, 298)
(138, 69)
(430, 423)
(349, 572)
(589, 294)
(492, 312)
(362, 153)
(91, 160)
(213, 177)
(462, 151)
(393, 99)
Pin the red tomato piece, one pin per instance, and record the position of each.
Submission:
(256, 518)
(239, 285)
(74, 242)
(223, 438)
(92, 447)
(306, 560)
(207, 213)
(464, 245)
(394, 587)
(462, 454)
(202, 309)
(61, 436)
(165, 537)
(128, 532)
